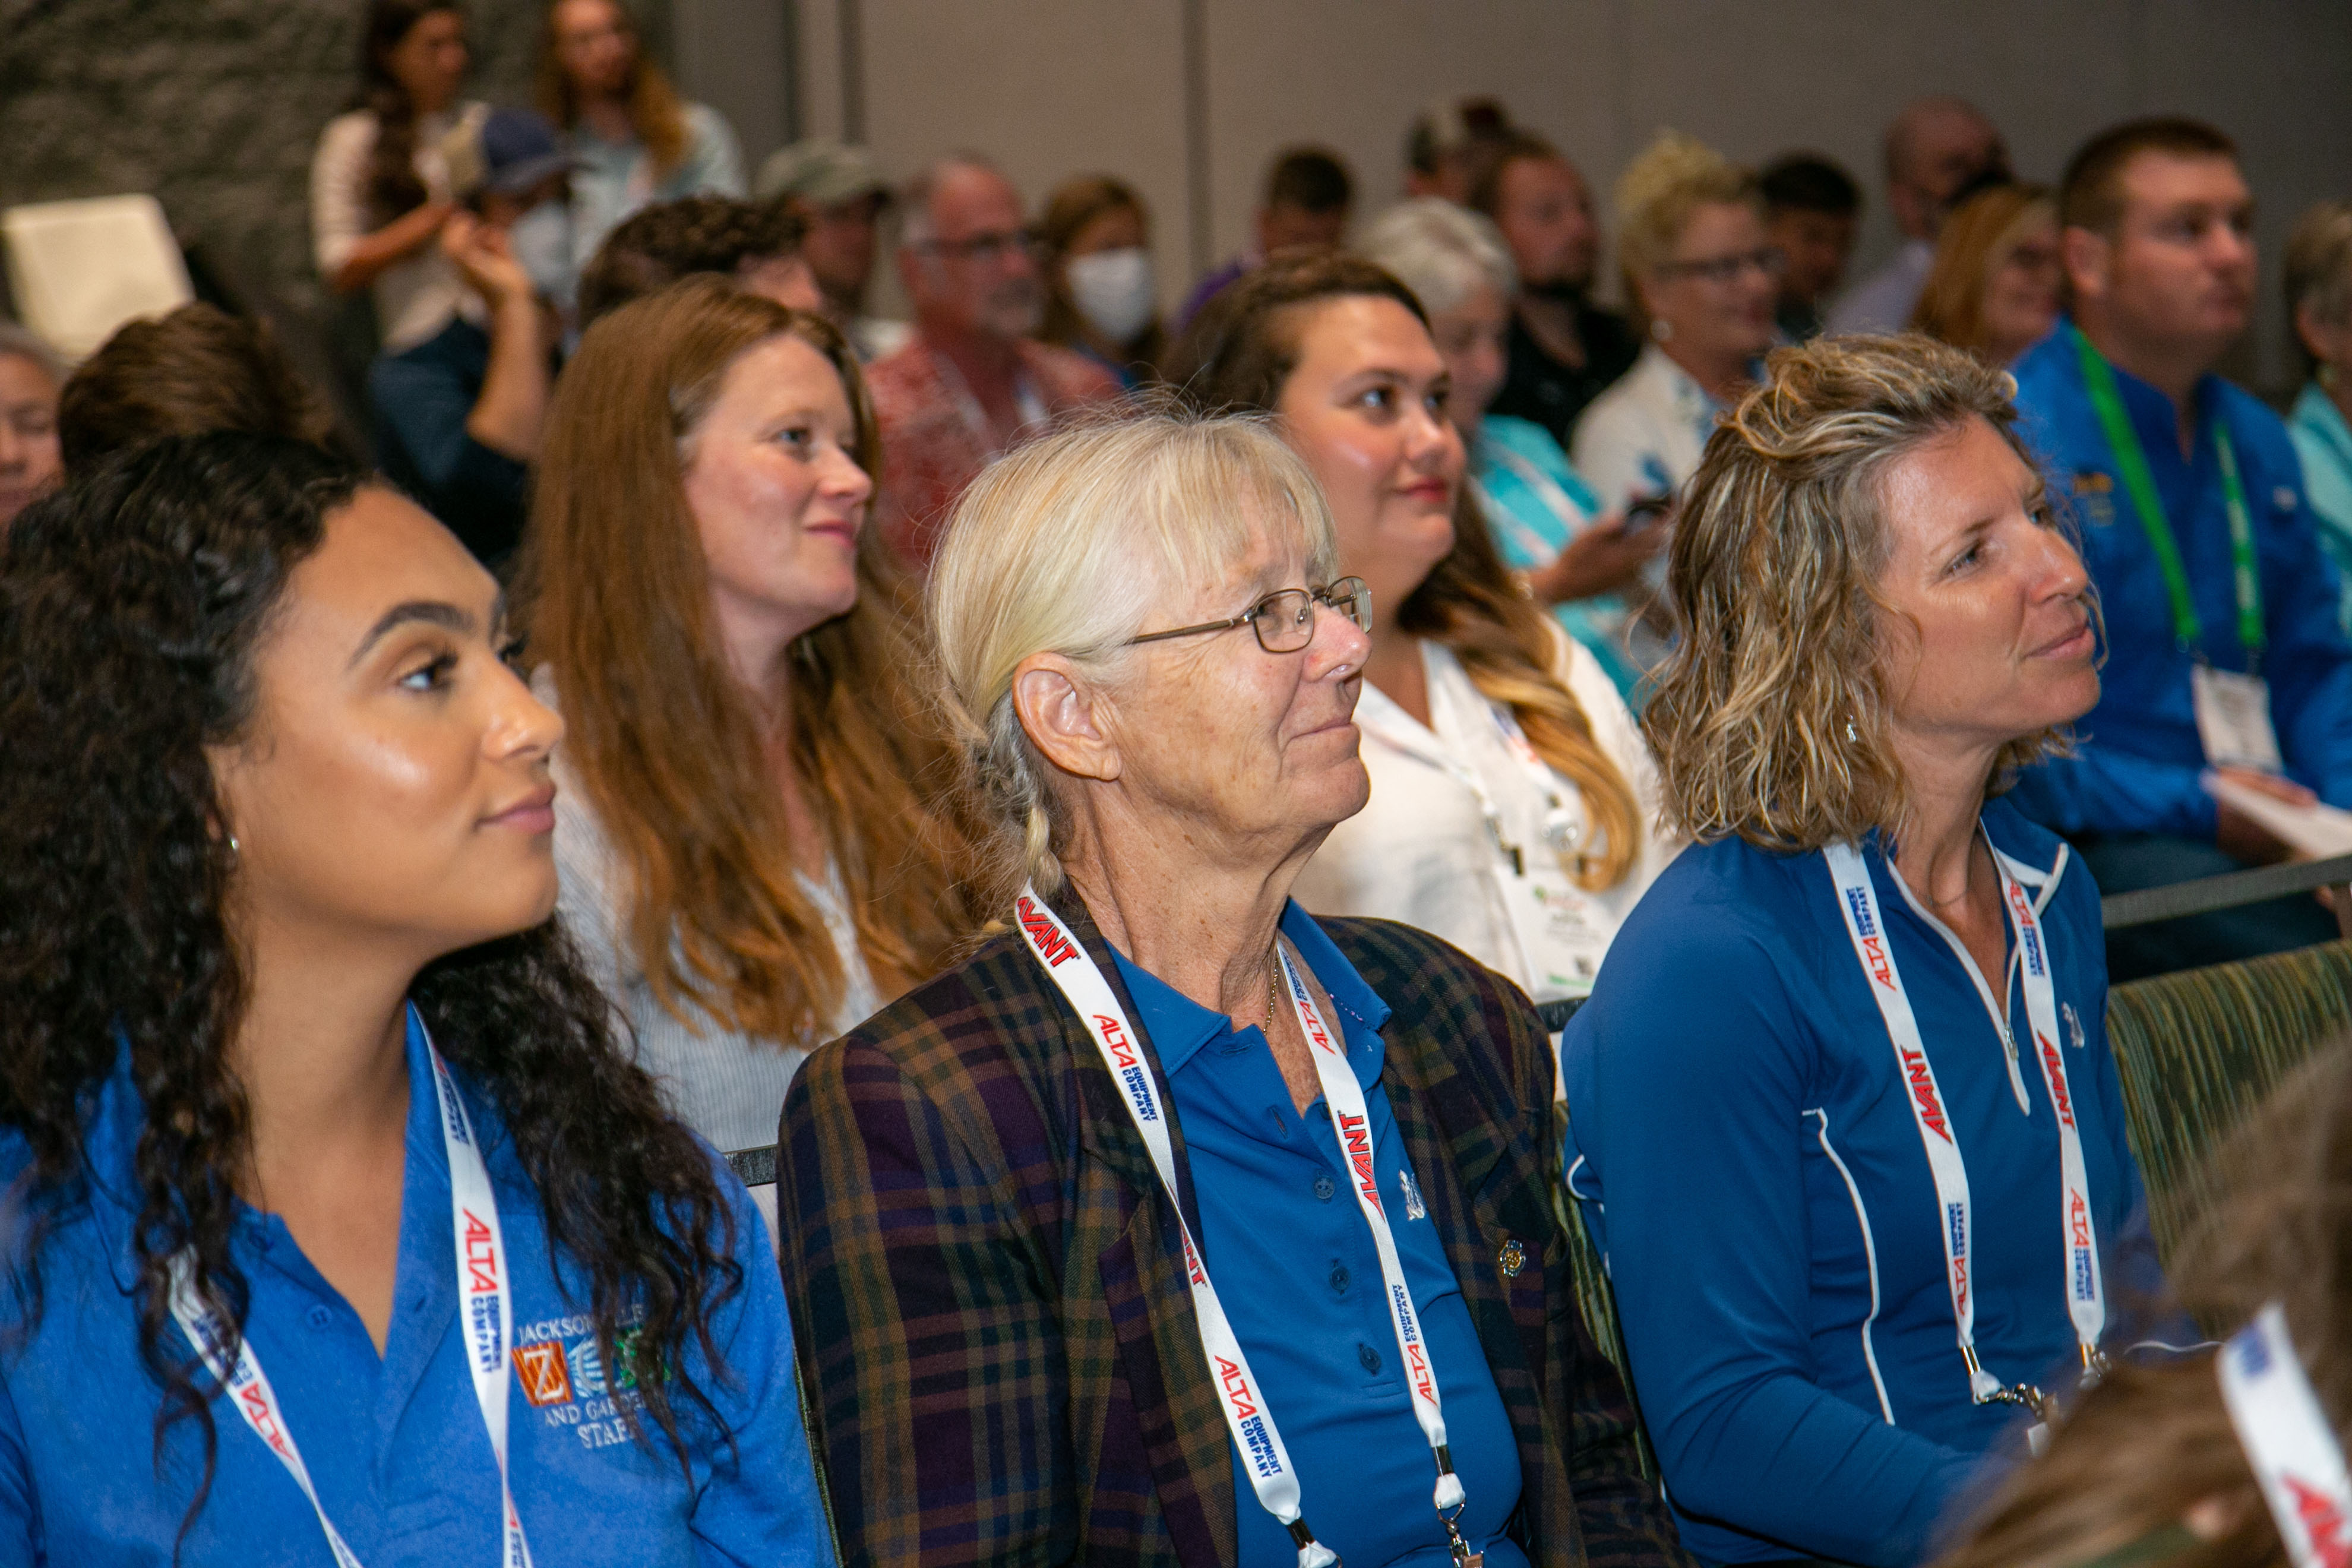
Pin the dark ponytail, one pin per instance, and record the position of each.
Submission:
(394, 187)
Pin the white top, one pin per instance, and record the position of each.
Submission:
(726, 1085)
(1644, 435)
(416, 296)
(1421, 851)
(1883, 303)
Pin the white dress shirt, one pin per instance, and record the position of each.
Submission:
(416, 296)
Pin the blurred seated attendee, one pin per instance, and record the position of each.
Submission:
(972, 381)
(1451, 145)
(312, 1115)
(1543, 519)
(30, 377)
(457, 416)
(1842, 1110)
(1304, 204)
(2234, 1458)
(1993, 289)
(1101, 298)
(1150, 658)
(634, 141)
(380, 190)
(1512, 795)
(1936, 148)
(2319, 309)
(197, 369)
(2221, 611)
(751, 861)
(841, 201)
(756, 245)
(1812, 209)
(1564, 349)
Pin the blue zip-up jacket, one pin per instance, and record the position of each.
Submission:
(1745, 1150)
(2137, 770)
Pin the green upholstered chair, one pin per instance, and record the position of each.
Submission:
(2198, 1050)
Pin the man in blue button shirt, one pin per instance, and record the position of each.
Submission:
(2221, 607)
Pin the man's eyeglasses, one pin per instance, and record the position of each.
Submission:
(990, 248)
(1285, 620)
(1770, 261)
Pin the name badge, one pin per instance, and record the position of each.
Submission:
(2234, 719)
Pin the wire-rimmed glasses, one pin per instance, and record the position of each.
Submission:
(1285, 619)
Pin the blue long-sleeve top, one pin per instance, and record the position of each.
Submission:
(2137, 770)
(1744, 1148)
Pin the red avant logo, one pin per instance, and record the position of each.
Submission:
(2057, 1066)
(481, 1262)
(2323, 1521)
(1236, 1387)
(1356, 1138)
(1044, 934)
(1923, 1090)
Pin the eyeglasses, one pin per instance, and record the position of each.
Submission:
(990, 248)
(1770, 261)
(1285, 620)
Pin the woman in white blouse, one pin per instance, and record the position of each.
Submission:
(379, 184)
(746, 832)
(1513, 803)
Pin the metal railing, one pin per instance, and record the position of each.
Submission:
(2230, 891)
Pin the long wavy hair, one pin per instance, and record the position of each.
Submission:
(1976, 240)
(669, 747)
(394, 187)
(655, 114)
(1237, 355)
(1771, 719)
(130, 608)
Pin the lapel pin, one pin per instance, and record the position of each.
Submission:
(1513, 1257)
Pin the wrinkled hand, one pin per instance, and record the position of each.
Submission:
(2241, 835)
(482, 257)
(1600, 559)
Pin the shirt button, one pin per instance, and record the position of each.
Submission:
(321, 1315)
(1339, 1277)
(1324, 1187)
(1369, 1356)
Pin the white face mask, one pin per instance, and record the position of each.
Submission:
(1114, 291)
(541, 241)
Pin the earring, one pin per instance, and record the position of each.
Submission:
(1849, 731)
(1662, 330)
(232, 846)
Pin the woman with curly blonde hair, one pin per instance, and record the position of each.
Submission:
(1844, 1085)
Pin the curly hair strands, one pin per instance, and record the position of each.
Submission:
(394, 185)
(1238, 356)
(1770, 718)
(131, 607)
(655, 112)
(671, 750)
(1067, 546)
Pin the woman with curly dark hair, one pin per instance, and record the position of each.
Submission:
(304, 1099)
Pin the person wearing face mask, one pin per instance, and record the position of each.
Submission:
(2226, 656)
(457, 416)
(753, 854)
(1842, 1114)
(31, 379)
(341, 1228)
(1100, 298)
(1512, 797)
(1175, 1224)
(972, 381)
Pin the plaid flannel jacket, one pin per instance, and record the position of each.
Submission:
(996, 1333)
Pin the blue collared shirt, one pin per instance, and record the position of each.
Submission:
(2137, 770)
(1296, 1268)
(395, 1444)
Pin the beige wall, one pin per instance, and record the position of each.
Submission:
(1054, 87)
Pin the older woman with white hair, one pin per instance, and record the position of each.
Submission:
(1176, 1224)
(31, 378)
(1842, 1108)
(1544, 519)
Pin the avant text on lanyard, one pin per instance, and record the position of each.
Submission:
(486, 1314)
(2085, 1292)
(1251, 1423)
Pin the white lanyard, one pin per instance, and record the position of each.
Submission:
(2289, 1445)
(486, 1312)
(2085, 1294)
(1082, 982)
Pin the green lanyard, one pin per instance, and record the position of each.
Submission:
(2123, 441)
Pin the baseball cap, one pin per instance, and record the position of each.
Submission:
(507, 150)
(819, 171)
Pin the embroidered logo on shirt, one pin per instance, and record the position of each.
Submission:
(2074, 1025)
(2094, 492)
(562, 1374)
(1413, 1208)
(541, 1368)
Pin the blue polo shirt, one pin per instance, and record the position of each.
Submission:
(1295, 1266)
(2137, 770)
(394, 1444)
